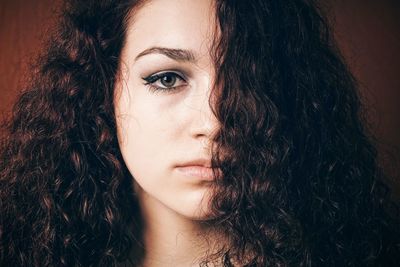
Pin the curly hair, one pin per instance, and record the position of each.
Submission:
(301, 185)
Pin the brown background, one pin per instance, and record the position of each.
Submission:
(367, 31)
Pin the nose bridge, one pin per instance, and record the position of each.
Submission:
(205, 122)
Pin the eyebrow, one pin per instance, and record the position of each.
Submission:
(175, 54)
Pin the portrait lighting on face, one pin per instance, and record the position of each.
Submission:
(165, 122)
(221, 133)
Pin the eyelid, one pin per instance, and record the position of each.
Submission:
(160, 73)
(153, 78)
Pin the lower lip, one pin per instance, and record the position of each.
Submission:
(201, 172)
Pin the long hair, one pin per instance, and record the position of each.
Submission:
(300, 187)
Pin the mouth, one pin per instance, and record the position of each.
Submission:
(199, 168)
(197, 171)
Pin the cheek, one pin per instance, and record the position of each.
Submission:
(145, 137)
(152, 136)
(137, 143)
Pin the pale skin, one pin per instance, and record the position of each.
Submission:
(165, 125)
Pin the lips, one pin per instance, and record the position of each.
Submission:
(198, 168)
(196, 171)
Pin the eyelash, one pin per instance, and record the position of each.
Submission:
(152, 79)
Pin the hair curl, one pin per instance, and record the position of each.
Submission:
(301, 185)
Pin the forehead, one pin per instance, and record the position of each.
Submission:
(179, 24)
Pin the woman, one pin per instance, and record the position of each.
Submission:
(187, 133)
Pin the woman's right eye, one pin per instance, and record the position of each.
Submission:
(165, 81)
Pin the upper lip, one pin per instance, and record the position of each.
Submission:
(197, 162)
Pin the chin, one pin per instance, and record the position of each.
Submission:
(194, 210)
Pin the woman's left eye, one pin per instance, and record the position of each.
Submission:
(165, 81)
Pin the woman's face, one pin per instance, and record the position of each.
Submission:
(165, 123)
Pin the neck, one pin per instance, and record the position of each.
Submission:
(171, 239)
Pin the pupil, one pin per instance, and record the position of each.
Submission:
(168, 80)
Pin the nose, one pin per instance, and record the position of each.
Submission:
(204, 122)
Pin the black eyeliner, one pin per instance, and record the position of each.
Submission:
(152, 78)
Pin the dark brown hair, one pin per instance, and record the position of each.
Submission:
(300, 186)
